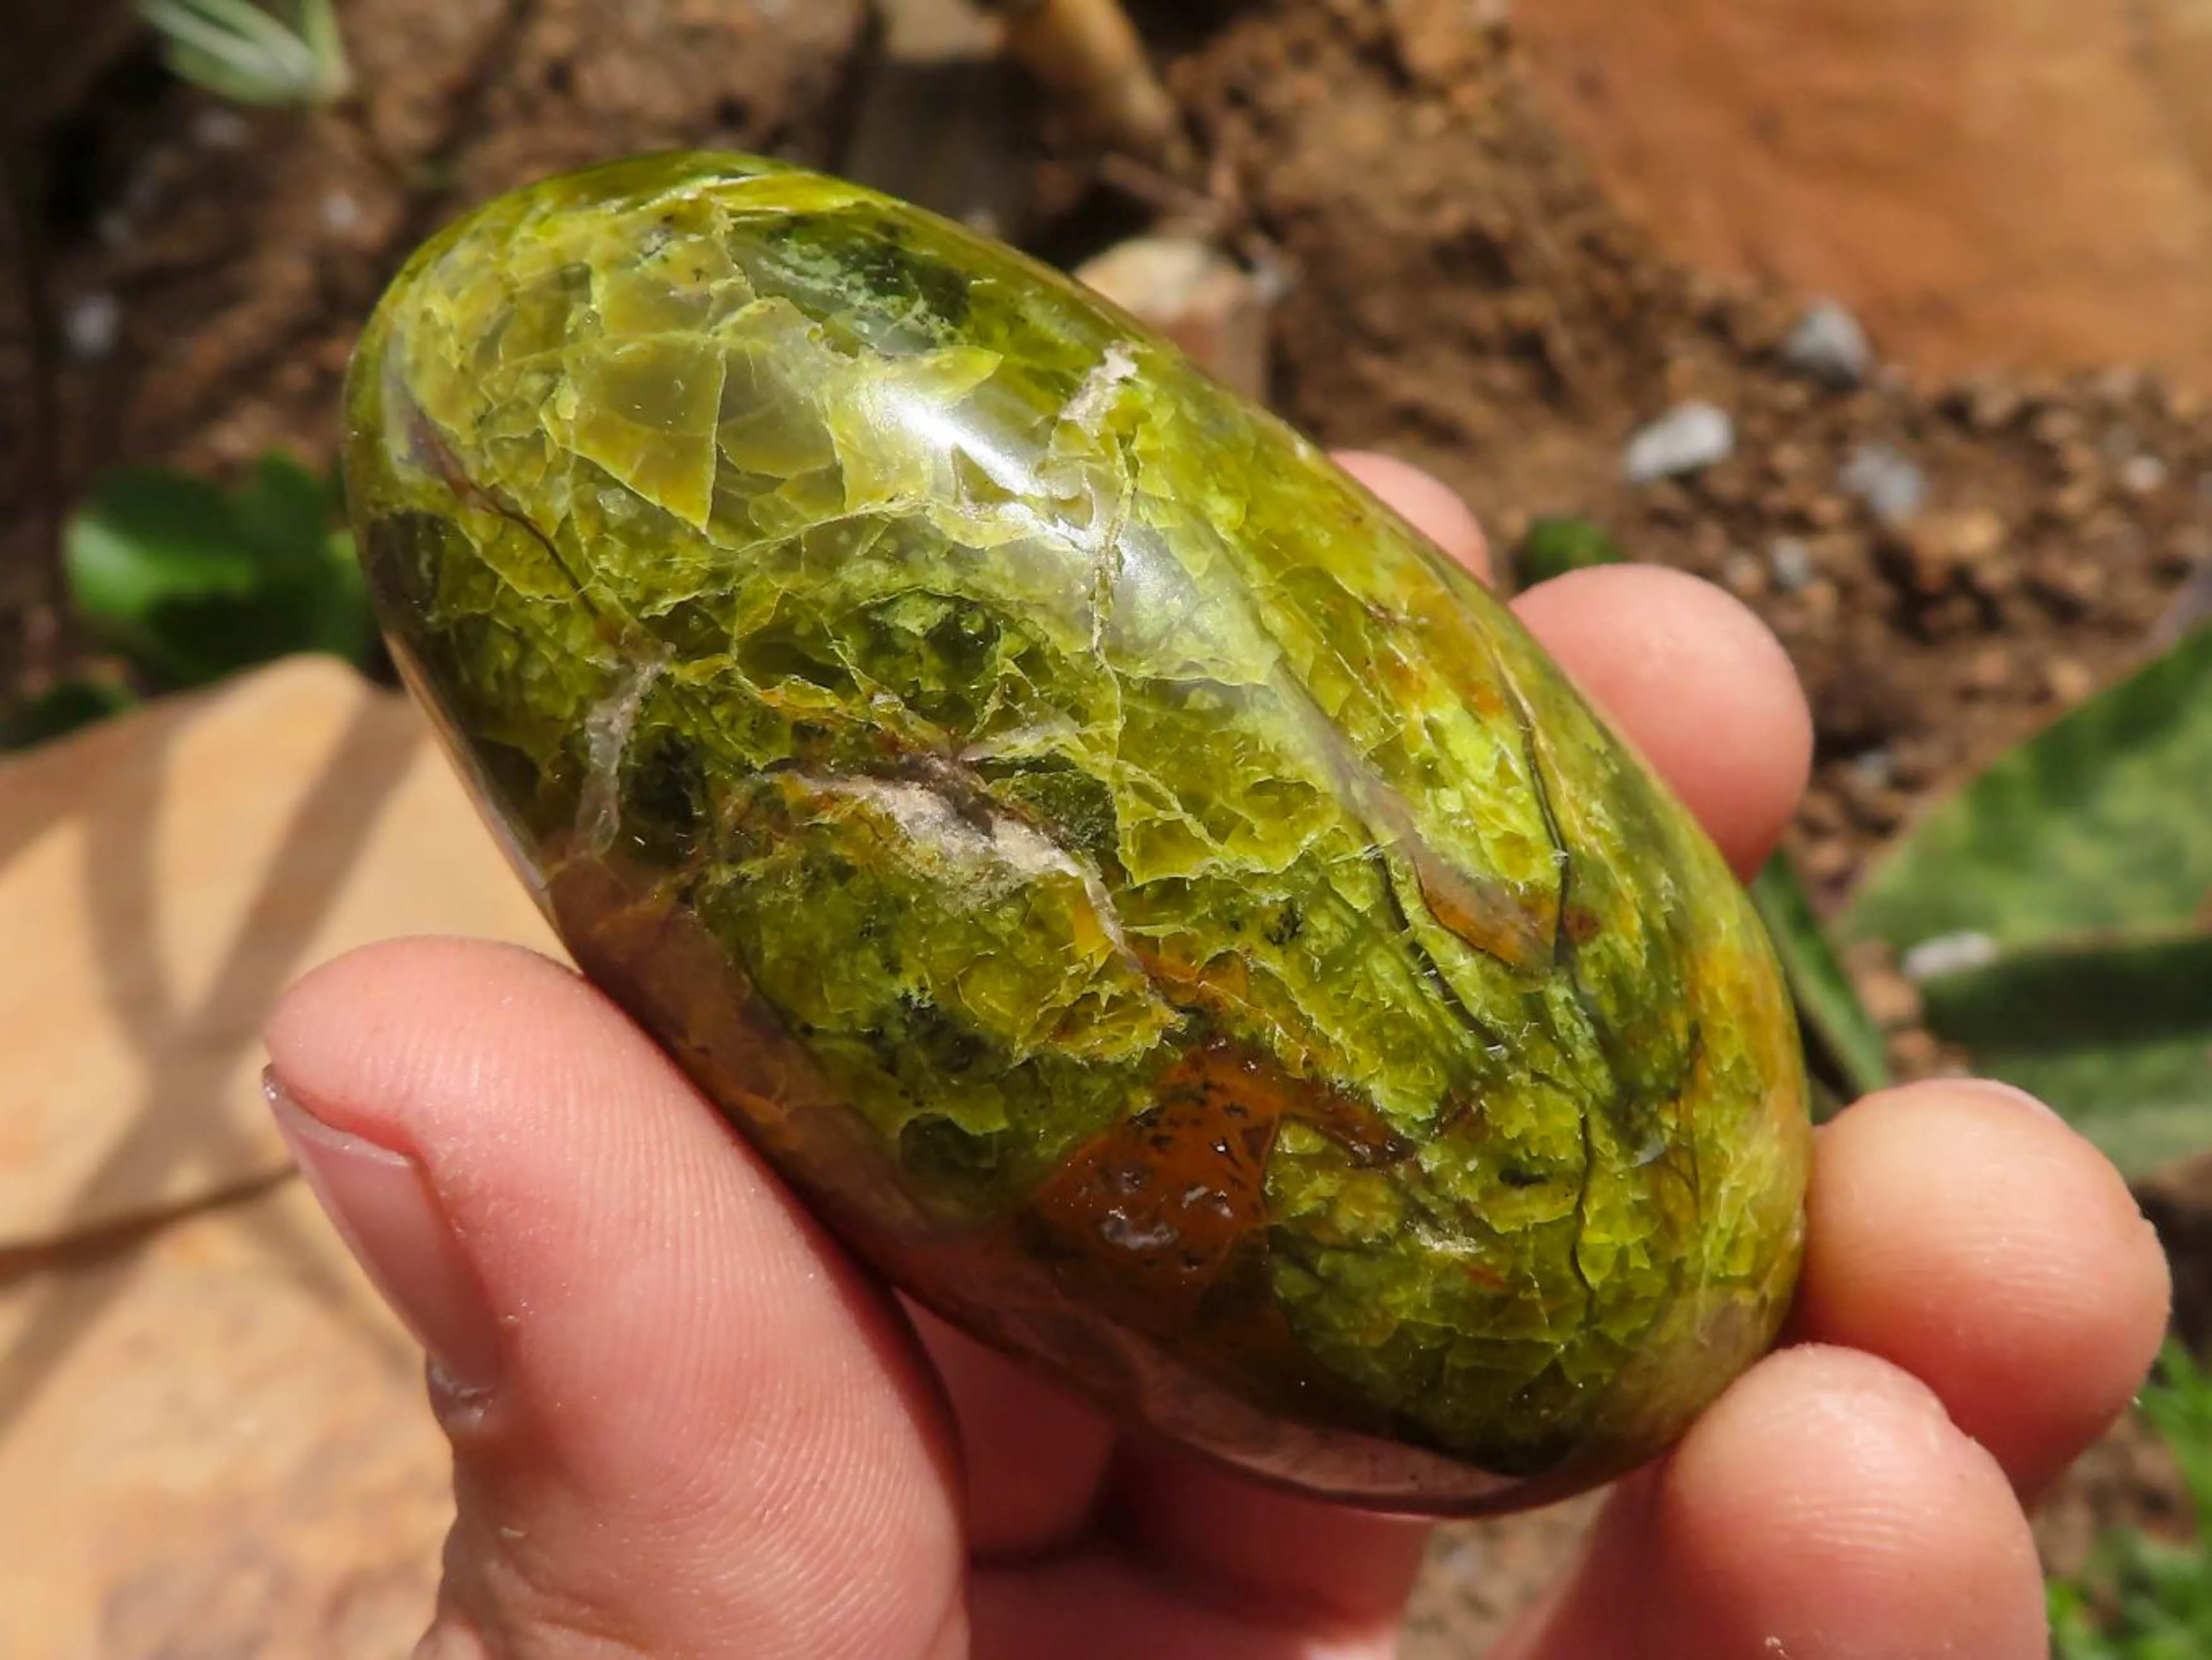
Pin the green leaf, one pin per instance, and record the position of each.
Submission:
(1842, 1043)
(2116, 1035)
(245, 51)
(2055, 913)
(318, 31)
(284, 511)
(194, 583)
(148, 540)
(2179, 1407)
(2139, 1597)
(1553, 547)
(2097, 824)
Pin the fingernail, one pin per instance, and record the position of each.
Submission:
(380, 1202)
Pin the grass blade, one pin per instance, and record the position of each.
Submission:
(1843, 1044)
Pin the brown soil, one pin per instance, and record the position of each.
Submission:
(238, 250)
(1458, 292)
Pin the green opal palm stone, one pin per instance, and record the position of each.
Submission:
(1152, 904)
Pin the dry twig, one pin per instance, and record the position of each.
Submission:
(1088, 52)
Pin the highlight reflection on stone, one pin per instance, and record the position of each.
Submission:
(1151, 903)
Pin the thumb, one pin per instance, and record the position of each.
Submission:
(682, 1424)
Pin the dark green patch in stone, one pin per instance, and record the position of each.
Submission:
(861, 258)
(1076, 809)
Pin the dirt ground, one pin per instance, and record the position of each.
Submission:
(1455, 291)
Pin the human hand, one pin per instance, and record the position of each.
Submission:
(685, 1425)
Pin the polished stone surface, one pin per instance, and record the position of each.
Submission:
(1153, 905)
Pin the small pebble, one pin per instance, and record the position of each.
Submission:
(2074, 501)
(1913, 1052)
(2069, 681)
(1873, 768)
(2119, 385)
(1829, 344)
(1786, 460)
(1950, 617)
(1948, 953)
(1827, 862)
(1991, 405)
(2055, 425)
(1918, 761)
(1888, 482)
(1791, 561)
(1688, 438)
(1891, 1000)
(2142, 475)
(92, 325)
(1788, 398)
(1709, 539)
(341, 213)
(218, 129)
(1990, 669)
(2067, 580)
(1946, 542)
(1743, 575)
(1821, 816)
(2078, 460)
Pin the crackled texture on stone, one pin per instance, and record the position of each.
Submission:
(1152, 903)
